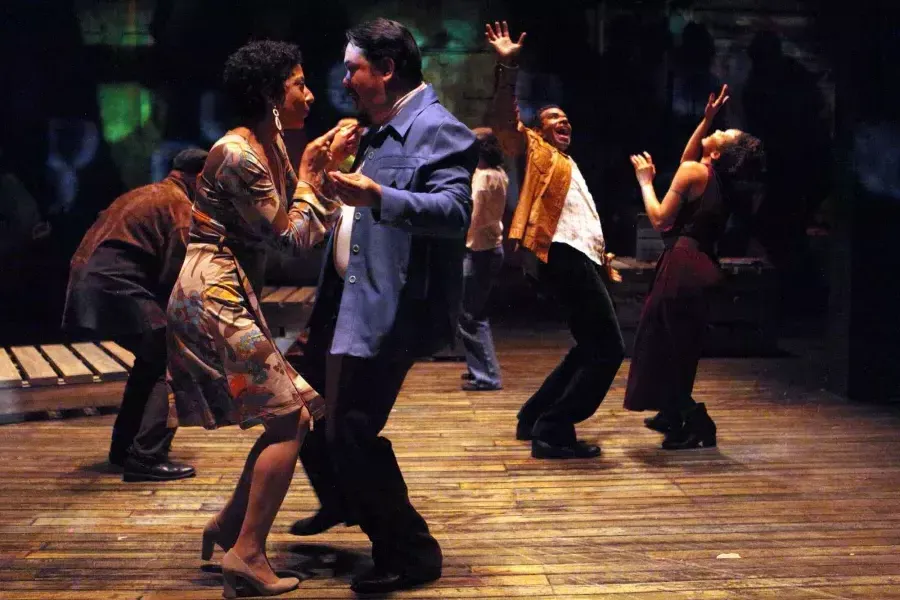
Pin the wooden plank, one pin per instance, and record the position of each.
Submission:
(37, 370)
(19, 401)
(302, 295)
(278, 295)
(72, 369)
(9, 374)
(100, 361)
(266, 292)
(119, 352)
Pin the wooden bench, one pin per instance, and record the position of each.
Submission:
(287, 308)
(51, 377)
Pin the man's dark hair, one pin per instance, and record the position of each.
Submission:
(489, 148)
(254, 77)
(537, 122)
(380, 39)
(190, 161)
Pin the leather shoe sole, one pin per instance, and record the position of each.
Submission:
(540, 449)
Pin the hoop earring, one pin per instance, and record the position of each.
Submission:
(277, 120)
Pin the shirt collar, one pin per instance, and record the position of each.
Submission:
(407, 108)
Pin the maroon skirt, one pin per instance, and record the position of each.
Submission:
(669, 337)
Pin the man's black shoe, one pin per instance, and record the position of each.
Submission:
(117, 459)
(378, 581)
(579, 449)
(136, 470)
(319, 522)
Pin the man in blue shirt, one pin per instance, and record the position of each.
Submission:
(389, 292)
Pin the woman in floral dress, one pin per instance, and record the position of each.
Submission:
(224, 368)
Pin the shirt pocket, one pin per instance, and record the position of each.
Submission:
(399, 178)
(395, 171)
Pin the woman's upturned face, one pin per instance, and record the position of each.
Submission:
(297, 100)
(718, 141)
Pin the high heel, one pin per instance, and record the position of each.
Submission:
(699, 430)
(235, 570)
(212, 537)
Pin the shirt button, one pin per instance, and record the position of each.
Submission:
(355, 248)
(352, 279)
(357, 216)
(370, 154)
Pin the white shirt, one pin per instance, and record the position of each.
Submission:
(488, 202)
(579, 223)
(345, 221)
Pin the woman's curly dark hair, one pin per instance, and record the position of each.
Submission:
(254, 77)
(489, 148)
(741, 169)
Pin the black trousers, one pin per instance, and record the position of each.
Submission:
(140, 429)
(577, 386)
(351, 467)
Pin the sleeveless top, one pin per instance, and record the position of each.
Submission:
(702, 219)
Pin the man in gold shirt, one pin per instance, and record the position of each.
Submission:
(556, 219)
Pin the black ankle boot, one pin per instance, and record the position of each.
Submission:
(663, 422)
(698, 430)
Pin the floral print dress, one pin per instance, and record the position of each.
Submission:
(223, 365)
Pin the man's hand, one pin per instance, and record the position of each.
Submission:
(355, 189)
(613, 273)
(345, 142)
(498, 37)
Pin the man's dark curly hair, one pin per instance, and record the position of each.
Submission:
(254, 77)
(537, 120)
(741, 168)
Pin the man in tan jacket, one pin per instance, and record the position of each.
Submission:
(556, 219)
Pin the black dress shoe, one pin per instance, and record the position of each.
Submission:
(318, 523)
(378, 581)
(117, 460)
(136, 470)
(523, 431)
(579, 449)
(467, 376)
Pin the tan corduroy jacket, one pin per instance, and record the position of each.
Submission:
(548, 171)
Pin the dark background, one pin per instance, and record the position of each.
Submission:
(99, 94)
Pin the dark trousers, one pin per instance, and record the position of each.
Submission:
(140, 429)
(351, 467)
(577, 386)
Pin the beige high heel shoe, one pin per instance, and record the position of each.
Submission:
(212, 537)
(234, 569)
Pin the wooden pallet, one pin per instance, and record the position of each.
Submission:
(62, 376)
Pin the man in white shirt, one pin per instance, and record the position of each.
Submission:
(557, 221)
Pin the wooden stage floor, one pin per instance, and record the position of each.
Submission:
(800, 500)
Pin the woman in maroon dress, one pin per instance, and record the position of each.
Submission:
(692, 217)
